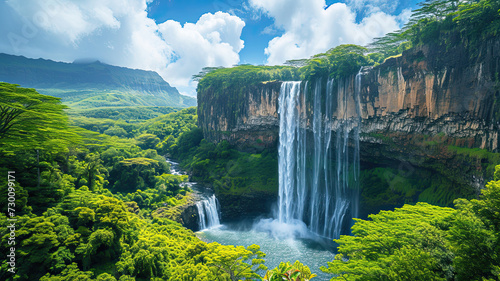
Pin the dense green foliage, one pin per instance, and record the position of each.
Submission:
(446, 23)
(405, 244)
(131, 114)
(231, 78)
(172, 124)
(97, 210)
(169, 127)
(483, 156)
(337, 63)
(289, 272)
(227, 169)
(425, 242)
(28, 118)
(110, 127)
(389, 187)
(94, 236)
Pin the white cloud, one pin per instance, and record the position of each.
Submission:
(310, 27)
(212, 41)
(119, 32)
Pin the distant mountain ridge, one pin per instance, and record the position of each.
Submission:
(91, 84)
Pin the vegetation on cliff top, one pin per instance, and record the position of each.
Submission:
(236, 79)
(444, 22)
(337, 62)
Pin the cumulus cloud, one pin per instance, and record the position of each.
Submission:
(119, 32)
(212, 41)
(310, 27)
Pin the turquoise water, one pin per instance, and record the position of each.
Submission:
(311, 252)
(282, 242)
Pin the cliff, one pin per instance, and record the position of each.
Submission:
(430, 91)
(431, 112)
(426, 90)
(185, 214)
(249, 121)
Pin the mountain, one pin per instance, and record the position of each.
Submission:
(91, 84)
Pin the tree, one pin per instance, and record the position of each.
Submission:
(204, 71)
(289, 272)
(71, 273)
(116, 131)
(147, 141)
(90, 170)
(234, 263)
(32, 120)
(405, 244)
(475, 237)
(336, 63)
(135, 173)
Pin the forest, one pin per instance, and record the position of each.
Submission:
(88, 195)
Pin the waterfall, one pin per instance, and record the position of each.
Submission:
(287, 207)
(208, 213)
(319, 173)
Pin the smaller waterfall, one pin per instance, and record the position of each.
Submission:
(208, 213)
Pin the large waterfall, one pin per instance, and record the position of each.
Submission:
(208, 213)
(319, 156)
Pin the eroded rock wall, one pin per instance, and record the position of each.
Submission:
(427, 90)
(248, 120)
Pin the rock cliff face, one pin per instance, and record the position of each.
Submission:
(249, 121)
(426, 90)
(418, 109)
(432, 91)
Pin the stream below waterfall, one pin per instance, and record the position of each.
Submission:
(279, 241)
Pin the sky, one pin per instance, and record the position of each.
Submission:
(177, 38)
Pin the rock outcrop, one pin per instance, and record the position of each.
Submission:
(185, 214)
(248, 121)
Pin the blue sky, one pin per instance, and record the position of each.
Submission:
(177, 38)
(256, 40)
